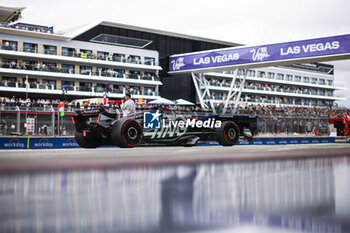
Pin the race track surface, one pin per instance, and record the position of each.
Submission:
(53, 159)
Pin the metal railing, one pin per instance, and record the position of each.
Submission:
(48, 123)
(100, 73)
(84, 55)
(289, 126)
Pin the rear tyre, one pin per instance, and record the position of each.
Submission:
(126, 133)
(227, 134)
(86, 142)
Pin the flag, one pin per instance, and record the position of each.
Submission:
(61, 109)
(105, 99)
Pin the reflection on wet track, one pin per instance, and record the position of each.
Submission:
(310, 195)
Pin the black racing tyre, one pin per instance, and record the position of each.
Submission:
(227, 134)
(87, 142)
(126, 133)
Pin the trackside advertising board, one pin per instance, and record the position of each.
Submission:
(37, 142)
(328, 48)
(281, 141)
(69, 142)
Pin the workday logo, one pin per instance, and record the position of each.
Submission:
(44, 142)
(152, 120)
(14, 143)
(71, 142)
(178, 63)
(259, 54)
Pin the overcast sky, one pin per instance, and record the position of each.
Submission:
(248, 22)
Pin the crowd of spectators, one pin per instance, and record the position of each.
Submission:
(269, 87)
(28, 27)
(272, 119)
(295, 111)
(53, 67)
(258, 110)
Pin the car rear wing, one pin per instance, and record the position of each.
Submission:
(96, 113)
(90, 112)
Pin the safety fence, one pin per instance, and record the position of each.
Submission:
(46, 121)
(288, 125)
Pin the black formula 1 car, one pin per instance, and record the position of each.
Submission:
(101, 127)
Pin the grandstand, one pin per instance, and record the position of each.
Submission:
(40, 67)
(110, 59)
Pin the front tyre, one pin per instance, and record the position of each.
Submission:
(227, 134)
(126, 133)
(86, 142)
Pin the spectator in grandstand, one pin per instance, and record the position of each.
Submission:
(13, 64)
(7, 45)
(37, 67)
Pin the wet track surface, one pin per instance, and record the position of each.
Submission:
(179, 190)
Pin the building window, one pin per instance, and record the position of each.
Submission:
(134, 59)
(68, 69)
(135, 74)
(271, 75)
(105, 72)
(289, 77)
(86, 70)
(85, 86)
(314, 80)
(102, 55)
(67, 85)
(69, 52)
(280, 76)
(100, 87)
(48, 66)
(306, 80)
(261, 74)
(322, 82)
(84, 53)
(135, 90)
(50, 49)
(118, 89)
(9, 45)
(251, 73)
(28, 65)
(330, 82)
(50, 84)
(118, 57)
(9, 63)
(150, 61)
(33, 82)
(148, 76)
(30, 48)
(297, 79)
(149, 91)
(8, 81)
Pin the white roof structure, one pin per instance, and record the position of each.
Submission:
(10, 14)
(183, 102)
(162, 101)
(78, 30)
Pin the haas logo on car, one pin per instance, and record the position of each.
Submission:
(168, 132)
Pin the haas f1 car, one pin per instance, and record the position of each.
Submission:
(99, 127)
